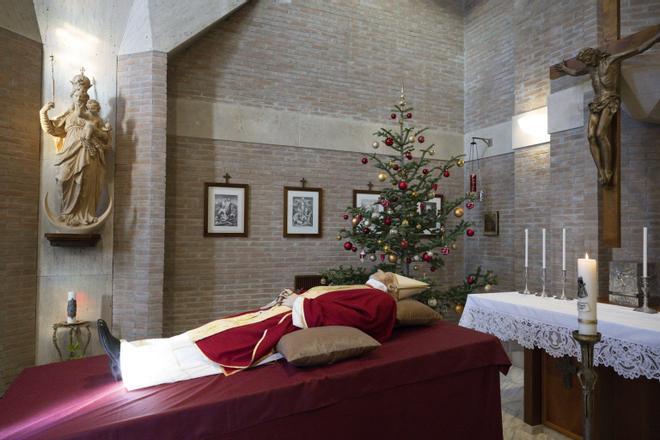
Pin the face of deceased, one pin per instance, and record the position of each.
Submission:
(389, 279)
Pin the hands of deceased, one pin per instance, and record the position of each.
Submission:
(289, 300)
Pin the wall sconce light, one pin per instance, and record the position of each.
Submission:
(475, 165)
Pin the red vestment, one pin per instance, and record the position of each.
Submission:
(365, 308)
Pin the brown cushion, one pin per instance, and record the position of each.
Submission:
(325, 345)
(412, 312)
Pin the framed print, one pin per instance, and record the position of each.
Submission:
(492, 223)
(434, 204)
(367, 200)
(226, 210)
(303, 212)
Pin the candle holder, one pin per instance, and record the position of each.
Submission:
(645, 298)
(563, 287)
(587, 377)
(526, 291)
(543, 293)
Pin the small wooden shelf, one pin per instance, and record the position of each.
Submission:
(73, 240)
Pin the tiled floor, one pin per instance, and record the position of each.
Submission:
(511, 387)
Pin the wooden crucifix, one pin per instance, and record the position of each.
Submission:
(603, 65)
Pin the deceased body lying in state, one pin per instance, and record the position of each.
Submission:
(392, 220)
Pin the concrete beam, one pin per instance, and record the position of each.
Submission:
(19, 17)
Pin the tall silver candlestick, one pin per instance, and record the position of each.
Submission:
(587, 376)
(526, 291)
(563, 286)
(645, 298)
(543, 293)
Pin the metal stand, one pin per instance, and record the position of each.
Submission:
(526, 291)
(587, 376)
(543, 293)
(563, 287)
(645, 298)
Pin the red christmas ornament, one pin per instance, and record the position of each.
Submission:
(421, 139)
(404, 243)
(446, 173)
(345, 216)
(470, 279)
(422, 206)
(434, 186)
(395, 167)
(403, 185)
(409, 155)
(382, 257)
(432, 268)
(385, 203)
(470, 232)
(387, 220)
(445, 250)
(408, 115)
(408, 260)
(469, 205)
(365, 161)
(366, 230)
(348, 245)
(425, 171)
(389, 142)
(393, 116)
(354, 248)
(426, 257)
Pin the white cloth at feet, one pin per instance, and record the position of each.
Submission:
(150, 362)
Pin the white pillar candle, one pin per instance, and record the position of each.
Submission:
(644, 256)
(526, 247)
(587, 295)
(543, 240)
(563, 249)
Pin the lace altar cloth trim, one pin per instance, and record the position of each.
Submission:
(628, 359)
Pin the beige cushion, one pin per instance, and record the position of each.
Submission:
(325, 345)
(412, 312)
(408, 287)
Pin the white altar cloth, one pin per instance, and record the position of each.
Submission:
(630, 340)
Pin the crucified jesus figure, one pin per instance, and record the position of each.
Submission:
(604, 69)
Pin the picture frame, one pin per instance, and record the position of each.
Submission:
(226, 209)
(303, 212)
(367, 199)
(434, 203)
(492, 223)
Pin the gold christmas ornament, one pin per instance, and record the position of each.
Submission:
(460, 162)
(414, 193)
(411, 138)
(323, 281)
(355, 221)
(386, 248)
(458, 212)
(415, 267)
(372, 257)
(454, 246)
(431, 152)
(458, 308)
(487, 287)
(382, 176)
(375, 145)
(338, 237)
(380, 242)
(418, 227)
(392, 258)
(432, 302)
(404, 222)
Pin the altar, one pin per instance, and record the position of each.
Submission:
(628, 360)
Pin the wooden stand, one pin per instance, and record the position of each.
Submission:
(73, 240)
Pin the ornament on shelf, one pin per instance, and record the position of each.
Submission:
(392, 258)
(421, 139)
(432, 302)
(364, 161)
(382, 176)
(446, 173)
(469, 205)
(375, 145)
(470, 232)
(403, 185)
(348, 245)
(389, 142)
(458, 212)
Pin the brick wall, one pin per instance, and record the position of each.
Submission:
(345, 59)
(206, 277)
(20, 88)
(140, 195)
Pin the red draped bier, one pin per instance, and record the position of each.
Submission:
(370, 310)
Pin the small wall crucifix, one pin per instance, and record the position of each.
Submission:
(303, 182)
(227, 177)
(370, 186)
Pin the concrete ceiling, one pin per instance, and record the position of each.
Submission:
(19, 17)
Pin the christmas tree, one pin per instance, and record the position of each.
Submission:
(408, 229)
